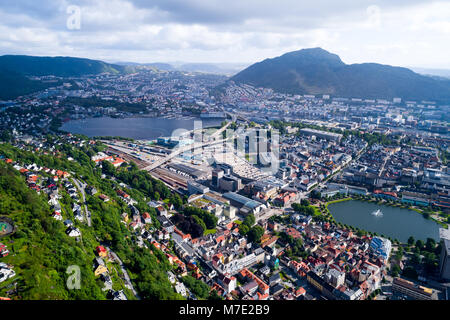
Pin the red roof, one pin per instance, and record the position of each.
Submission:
(146, 215)
(299, 291)
(100, 249)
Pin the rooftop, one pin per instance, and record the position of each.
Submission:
(244, 201)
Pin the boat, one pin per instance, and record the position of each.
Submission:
(377, 213)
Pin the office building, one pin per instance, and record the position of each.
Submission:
(217, 174)
(412, 290)
(230, 183)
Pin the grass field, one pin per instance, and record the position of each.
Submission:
(209, 231)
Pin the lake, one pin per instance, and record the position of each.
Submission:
(397, 223)
(135, 128)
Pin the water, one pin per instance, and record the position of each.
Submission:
(135, 128)
(396, 223)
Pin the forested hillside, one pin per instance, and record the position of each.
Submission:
(41, 251)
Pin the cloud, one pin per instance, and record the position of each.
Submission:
(230, 31)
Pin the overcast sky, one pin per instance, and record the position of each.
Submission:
(397, 32)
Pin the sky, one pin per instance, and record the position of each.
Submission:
(414, 33)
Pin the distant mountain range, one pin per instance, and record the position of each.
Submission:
(317, 71)
(14, 70)
(307, 71)
(442, 73)
(227, 69)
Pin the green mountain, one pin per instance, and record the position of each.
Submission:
(13, 84)
(14, 70)
(317, 71)
(57, 66)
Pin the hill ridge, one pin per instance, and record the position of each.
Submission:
(317, 71)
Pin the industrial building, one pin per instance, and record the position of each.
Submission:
(187, 170)
(322, 134)
(244, 204)
(195, 188)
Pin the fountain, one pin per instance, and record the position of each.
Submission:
(377, 213)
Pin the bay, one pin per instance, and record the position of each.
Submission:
(136, 128)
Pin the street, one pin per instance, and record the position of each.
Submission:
(81, 186)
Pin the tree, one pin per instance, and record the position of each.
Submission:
(200, 222)
(255, 234)
(410, 272)
(5, 136)
(395, 270)
(156, 196)
(416, 259)
(213, 295)
(176, 200)
(431, 262)
(243, 229)
(411, 241)
(306, 210)
(360, 233)
(249, 220)
(209, 218)
(199, 288)
(108, 168)
(430, 245)
(419, 245)
(315, 194)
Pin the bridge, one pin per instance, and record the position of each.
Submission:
(211, 141)
(219, 132)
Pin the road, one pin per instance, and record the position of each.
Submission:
(323, 182)
(81, 186)
(218, 132)
(127, 279)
